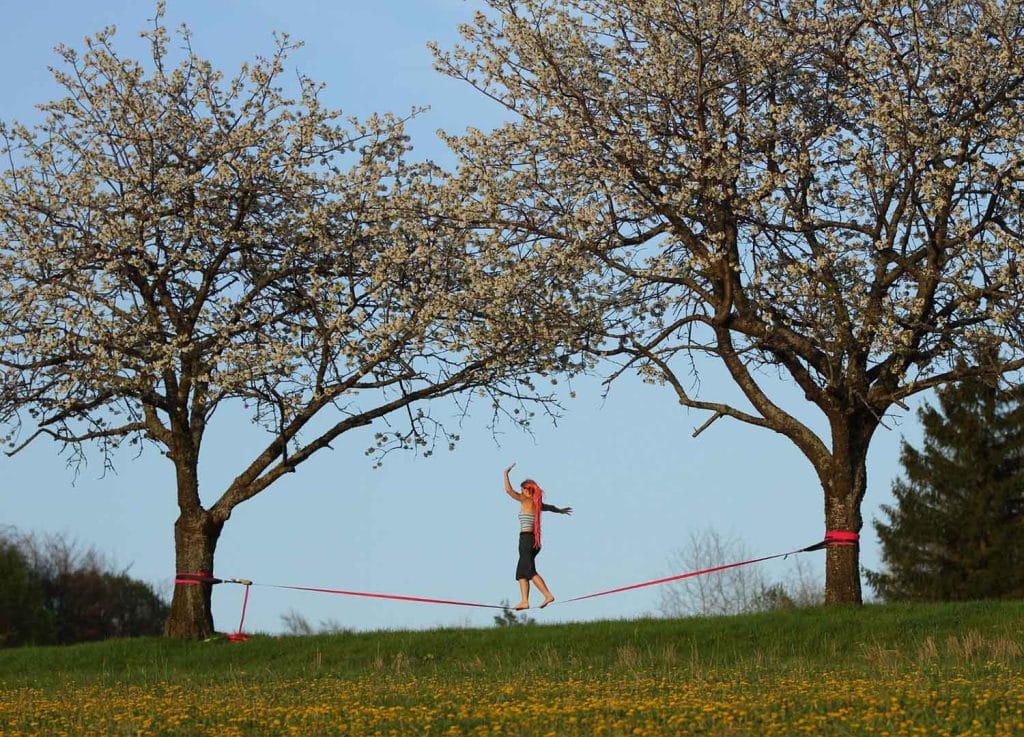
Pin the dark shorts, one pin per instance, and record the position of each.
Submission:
(526, 568)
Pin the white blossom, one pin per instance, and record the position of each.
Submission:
(825, 191)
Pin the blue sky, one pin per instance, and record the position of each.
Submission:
(441, 526)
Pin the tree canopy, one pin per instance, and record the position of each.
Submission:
(172, 240)
(826, 193)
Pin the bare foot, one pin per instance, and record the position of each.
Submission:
(521, 607)
(547, 600)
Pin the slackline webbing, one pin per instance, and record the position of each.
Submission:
(398, 597)
(832, 538)
(679, 577)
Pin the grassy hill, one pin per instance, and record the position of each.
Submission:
(895, 669)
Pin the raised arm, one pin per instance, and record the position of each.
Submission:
(553, 508)
(508, 486)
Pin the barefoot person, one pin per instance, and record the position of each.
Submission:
(531, 505)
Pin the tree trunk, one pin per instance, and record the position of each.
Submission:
(844, 492)
(195, 541)
(842, 570)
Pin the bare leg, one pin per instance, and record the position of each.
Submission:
(539, 583)
(524, 592)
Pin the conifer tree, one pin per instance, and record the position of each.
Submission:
(957, 528)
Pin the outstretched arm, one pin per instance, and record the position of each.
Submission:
(553, 508)
(508, 486)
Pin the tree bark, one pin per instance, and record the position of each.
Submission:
(845, 487)
(195, 541)
(842, 572)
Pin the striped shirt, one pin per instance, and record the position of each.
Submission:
(526, 522)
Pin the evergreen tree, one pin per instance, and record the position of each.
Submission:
(24, 616)
(91, 604)
(54, 592)
(957, 529)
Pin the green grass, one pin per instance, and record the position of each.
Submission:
(857, 638)
(389, 682)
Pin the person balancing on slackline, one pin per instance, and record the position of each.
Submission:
(531, 504)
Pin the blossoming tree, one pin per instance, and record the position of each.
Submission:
(171, 241)
(827, 192)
